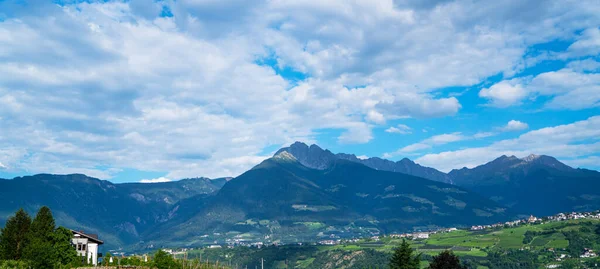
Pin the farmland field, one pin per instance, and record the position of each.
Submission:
(546, 242)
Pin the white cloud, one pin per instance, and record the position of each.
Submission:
(156, 180)
(588, 43)
(413, 148)
(111, 84)
(427, 144)
(445, 138)
(505, 93)
(515, 125)
(584, 65)
(573, 87)
(2, 166)
(588, 161)
(567, 141)
(376, 117)
(399, 129)
(362, 157)
(483, 135)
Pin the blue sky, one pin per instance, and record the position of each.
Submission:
(162, 90)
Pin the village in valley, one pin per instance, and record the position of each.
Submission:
(475, 240)
(335, 239)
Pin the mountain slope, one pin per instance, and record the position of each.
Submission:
(536, 184)
(315, 157)
(284, 191)
(119, 213)
(539, 185)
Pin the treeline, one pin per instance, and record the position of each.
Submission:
(37, 243)
(163, 260)
(404, 258)
(27, 243)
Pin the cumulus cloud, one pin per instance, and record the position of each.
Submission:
(505, 93)
(570, 141)
(88, 84)
(399, 129)
(156, 180)
(515, 125)
(575, 87)
(584, 65)
(2, 166)
(588, 43)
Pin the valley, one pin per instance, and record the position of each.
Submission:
(539, 244)
(305, 194)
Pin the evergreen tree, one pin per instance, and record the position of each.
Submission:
(403, 258)
(163, 260)
(61, 243)
(40, 250)
(43, 224)
(446, 260)
(13, 238)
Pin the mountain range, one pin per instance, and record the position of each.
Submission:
(536, 184)
(315, 157)
(288, 195)
(306, 193)
(120, 213)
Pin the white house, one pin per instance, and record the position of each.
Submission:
(86, 246)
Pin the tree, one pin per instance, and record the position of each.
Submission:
(61, 241)
(163, 260)
(13, 238)
(43, 224)
(40, 249)
(571, 264)
(403, 258)
(106, 259)
(446, 260)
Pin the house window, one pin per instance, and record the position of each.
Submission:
(83, 247)
(79, 245)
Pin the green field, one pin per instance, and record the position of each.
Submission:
(477, 244)
(540, 242)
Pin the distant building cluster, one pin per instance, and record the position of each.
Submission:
(532, 219)
(334, 239)
(588, 253)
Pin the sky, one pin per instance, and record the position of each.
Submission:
(151, 90)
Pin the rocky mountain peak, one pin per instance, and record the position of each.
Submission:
(530, 157)
(311, 156)
(284, 156)
(545, 160)
(315, 157)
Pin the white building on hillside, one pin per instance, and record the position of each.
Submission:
(86, 246)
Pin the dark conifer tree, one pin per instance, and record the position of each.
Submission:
(43, 224)
(14, 236)
(403, 258)
(64, 252)
(446, 260)
(40, 250)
